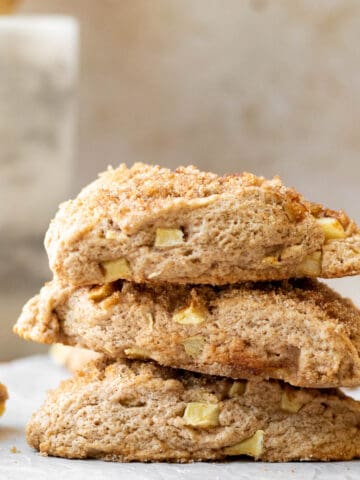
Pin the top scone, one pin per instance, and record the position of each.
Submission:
(151, 224)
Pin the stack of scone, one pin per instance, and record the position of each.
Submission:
(151, 264)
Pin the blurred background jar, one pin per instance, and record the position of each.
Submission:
(38, 80)
(268, 86)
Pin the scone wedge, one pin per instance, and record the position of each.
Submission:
(142, 412)
(299, 331)
(150, 224)
(3, 397)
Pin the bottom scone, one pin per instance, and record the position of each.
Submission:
(3, 398)
(123, 411)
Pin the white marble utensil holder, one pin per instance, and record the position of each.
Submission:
(38, 89)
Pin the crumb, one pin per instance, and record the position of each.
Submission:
(14, 450)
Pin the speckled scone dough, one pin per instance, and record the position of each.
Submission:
(187, 226)
(3, 398)
(299, 331)
(142, 412)
(72, 358)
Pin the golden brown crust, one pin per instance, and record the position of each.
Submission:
(298, 331)
(3, 393)
(135, 412)
(3, 397)
(231, 226)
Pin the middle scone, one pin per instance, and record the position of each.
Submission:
(299, 331)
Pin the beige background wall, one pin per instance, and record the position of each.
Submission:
(266, 85)
(270, 86)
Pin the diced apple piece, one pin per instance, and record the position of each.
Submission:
(202, 415)
(191, 315)
(116, 269)
(168, 237)
(311, 265)
(252, 446)
(289, 404)
(331, 228)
